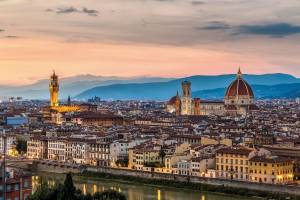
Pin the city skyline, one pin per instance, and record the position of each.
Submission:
(149, 99)
(167, 38)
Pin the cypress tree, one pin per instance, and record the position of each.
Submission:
(68, 190)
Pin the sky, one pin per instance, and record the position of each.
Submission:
(169, 38)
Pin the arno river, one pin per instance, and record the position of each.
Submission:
(134, 191)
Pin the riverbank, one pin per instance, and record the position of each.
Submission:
(135, 190)
(178, 181)
(217, 189)
(187, 189)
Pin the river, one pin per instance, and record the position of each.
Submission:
(134, 191)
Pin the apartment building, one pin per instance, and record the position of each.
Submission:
(118, 151)
(271, 170)
(201, 165)
(141, 156)
(99, 153)
(10, 142)
(57, 149)
(233, 163)
(37, 148)
(77, 150)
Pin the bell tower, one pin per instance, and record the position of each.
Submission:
(54, 89)
(186, 99)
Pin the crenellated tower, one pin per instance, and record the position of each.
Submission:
(54, 89)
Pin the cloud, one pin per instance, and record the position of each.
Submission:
(196, 3)
(273, 30)
(66, 10)
(11, 36)
(216, 25)
(276, 30)
(90, 12)
(71, 9)
(49, 10)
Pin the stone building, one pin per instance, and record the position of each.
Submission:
(271, 170)
(233, 163)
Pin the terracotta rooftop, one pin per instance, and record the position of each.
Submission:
(274, 159)
(239, 151)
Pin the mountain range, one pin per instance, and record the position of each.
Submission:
(83, 87)
(71, 85)
(279, 91)
(205, 87)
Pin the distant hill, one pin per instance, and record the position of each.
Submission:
(202, 86)
(260, 91)
(71, 86)
(157, 88)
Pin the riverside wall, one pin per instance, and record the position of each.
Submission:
(292, 190)
(62, 169)
(55, 168)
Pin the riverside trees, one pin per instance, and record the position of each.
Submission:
(67, 191)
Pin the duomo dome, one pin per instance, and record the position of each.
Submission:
(239, 92)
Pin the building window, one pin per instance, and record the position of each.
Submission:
(17, 187)
(26, 184)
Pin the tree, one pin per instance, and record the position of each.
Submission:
(122, 162)
(21, 146)
(41, 191)
(45, 192)
(68, 190)
(162, 155)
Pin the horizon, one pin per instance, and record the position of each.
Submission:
(169, 38)
(134, 77)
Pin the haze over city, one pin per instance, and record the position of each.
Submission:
(166, 38)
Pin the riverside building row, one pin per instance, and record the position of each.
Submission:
(168, 156)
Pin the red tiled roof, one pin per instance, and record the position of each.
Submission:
(173, 100)
(275, 159)
(231, 107)
(239, 87)
(239, 151)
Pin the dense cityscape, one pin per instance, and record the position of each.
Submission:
(238, 140)
(149, 100)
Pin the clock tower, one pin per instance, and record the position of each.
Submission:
(54, 89)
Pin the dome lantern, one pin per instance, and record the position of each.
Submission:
(239, 74)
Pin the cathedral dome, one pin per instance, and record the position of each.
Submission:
(239, 87)
(174, 99)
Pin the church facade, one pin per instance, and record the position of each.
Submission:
(238, 100)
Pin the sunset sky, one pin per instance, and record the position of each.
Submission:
(171, 38)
